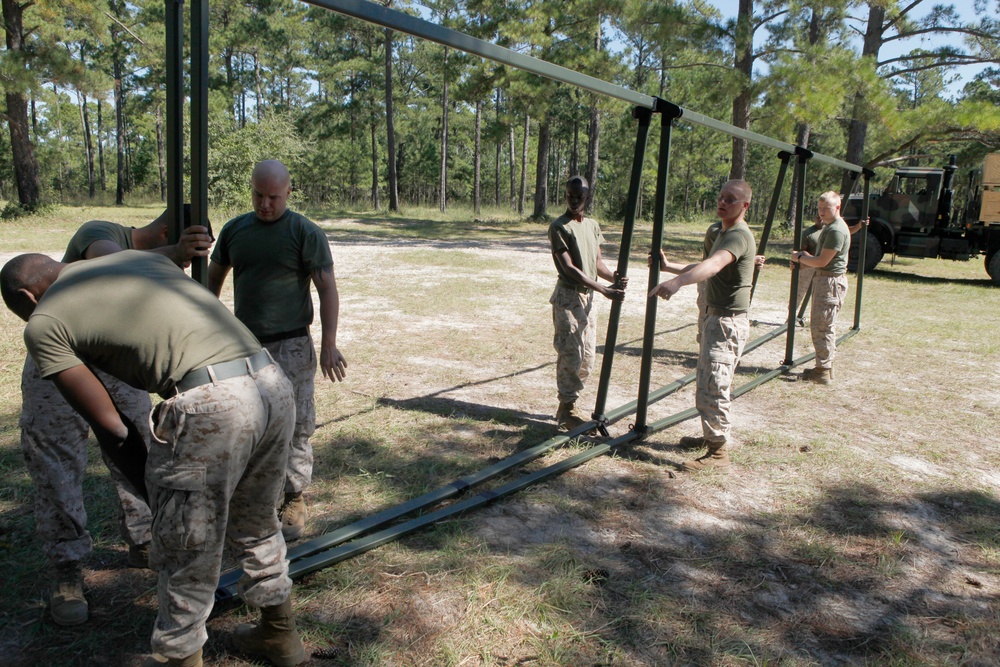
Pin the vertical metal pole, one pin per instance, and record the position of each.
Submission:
(862, 248)
(199, 127)
(771, 211)
(175, 117)
(643, 115)
(668, 114)
(800, 165)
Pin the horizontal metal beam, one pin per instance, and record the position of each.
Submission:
(411, 25)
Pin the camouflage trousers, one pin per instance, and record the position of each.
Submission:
(721, 347)
(575, 339)
(297, 358)
(806, 274)
(828, 299)
(54, 444)
(216, 463)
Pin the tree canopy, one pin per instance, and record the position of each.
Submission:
(368, 118)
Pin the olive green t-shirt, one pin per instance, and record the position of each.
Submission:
(810, 239)
(836, 235)
(272, 265)
(729, 289)
(582, 239)
(97, 230)
(711, 234)
(134, 315)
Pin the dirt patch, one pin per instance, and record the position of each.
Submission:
(859, 525)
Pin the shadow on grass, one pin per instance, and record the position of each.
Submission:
(856, 577)
(896, 275)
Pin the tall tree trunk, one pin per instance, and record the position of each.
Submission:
(87, 141)
(574, 157)
(22, 150)
(593, 148)
(858, 129)
(594, 138)
(119, 120)
(477, 161)
(513, 168)
(390, 127)
(524, 166)
(743, 64)
(374, 136)
(443, 200)
(160, 159)
(256, 80)
(59, 142)
(542, 171)
(100, 147)
(496, 181)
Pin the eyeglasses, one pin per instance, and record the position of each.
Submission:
(728, 201)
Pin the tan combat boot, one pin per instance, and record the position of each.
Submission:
(157, 660)
(293, 514)
(567, 417)
(67, 604)
(274, 638)
(717, 457)
(818, 375)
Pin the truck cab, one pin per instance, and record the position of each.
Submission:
(913, 217)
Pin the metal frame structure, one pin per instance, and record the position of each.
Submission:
(338, 545)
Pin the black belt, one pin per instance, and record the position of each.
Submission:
(582, 289)
(224, 371)
(722, 312)
(274, 338)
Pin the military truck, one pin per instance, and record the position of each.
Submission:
(916, 215)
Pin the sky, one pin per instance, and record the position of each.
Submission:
(964, 74)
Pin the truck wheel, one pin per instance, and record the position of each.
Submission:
(873, 253)
(993, 268)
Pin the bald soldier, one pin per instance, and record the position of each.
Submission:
(218, 441)
(54, 437)
(275, 253)
(728, 275)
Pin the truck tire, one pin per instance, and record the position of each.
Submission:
(873, 253)
(993, 268)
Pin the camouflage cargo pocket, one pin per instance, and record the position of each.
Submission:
(180, 512)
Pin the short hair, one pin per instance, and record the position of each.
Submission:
(744, 188)
(831, 197)
(19, 273)
(577, 183)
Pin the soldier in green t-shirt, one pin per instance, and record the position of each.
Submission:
(728, 275)
(575, 243)
(829, 284)
(276, 255)
(218, 441)
(54, 437)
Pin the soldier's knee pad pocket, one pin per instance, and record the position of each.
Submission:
(181, 520)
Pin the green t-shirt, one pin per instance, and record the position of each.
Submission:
(272, 269)
(836, 235)
(582, 239)
(96, 230)
(810, 239)
(729, 289)
(711, 234)
(136, 316)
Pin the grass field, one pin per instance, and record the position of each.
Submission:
(860, 524)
